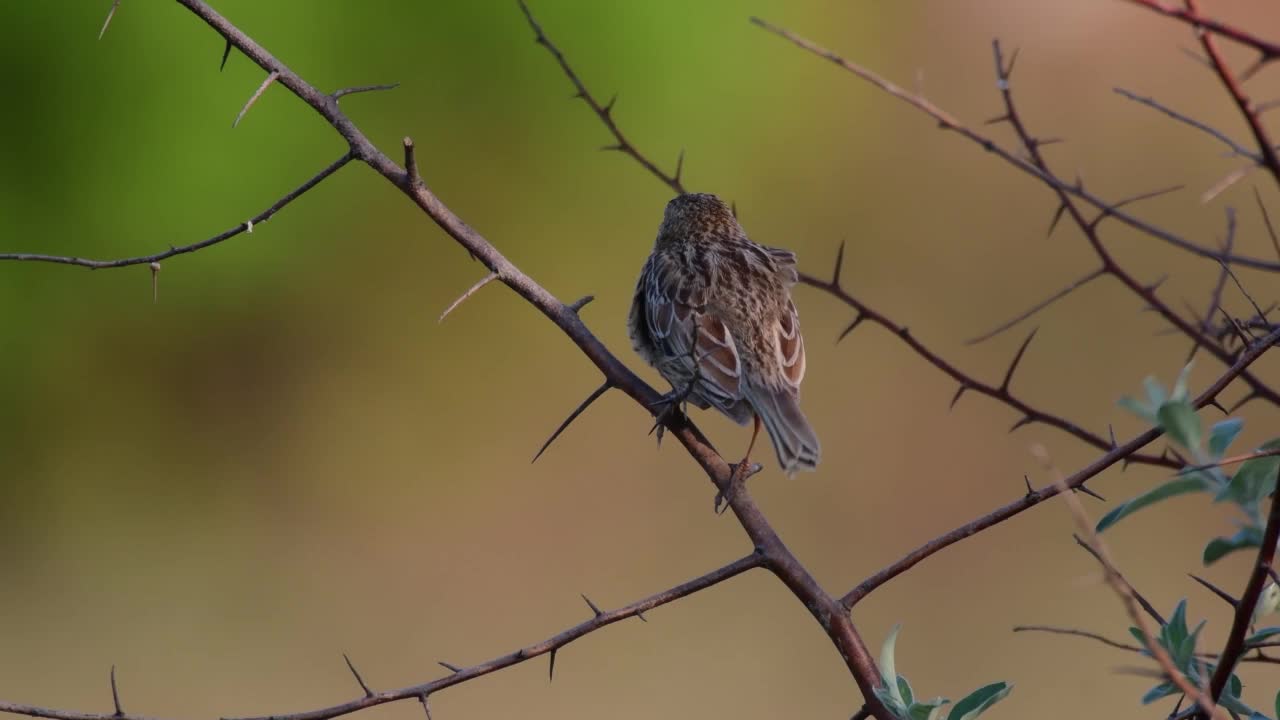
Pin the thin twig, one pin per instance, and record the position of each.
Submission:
(605, 112)
(247, 226)
(999, 515)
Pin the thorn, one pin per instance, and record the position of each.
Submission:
(618, 147)
(426, 705)
(115, 693)
(996, 120)
(1085, 489)
(271, 77)
(1112, 431)
(956, 398)
(411, 163)
(595, 395)
(1158, 282)
(608, 108)
(1027, 480)
(1215, 590)
(733, 208)
(1026, 420)
(155, 282)
(592, 605)
(835, 275)
(1041, 142)
(551, 669)
(360, 680)
(110, 14)
(640, 615)
(581, 302)
(1214, 402)
(226, 53)
(856, 322)
(1253, 69)
(679, 167)
(450, 668)
(471, 291)
(1176, 455)
(1057, 215)
(337, 94)
(1253, 395)
(1013, 366)
(1013, 60)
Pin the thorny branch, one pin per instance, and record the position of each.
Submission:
(458, 675)
(770, 552)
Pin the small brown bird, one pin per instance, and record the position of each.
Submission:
(713, 313)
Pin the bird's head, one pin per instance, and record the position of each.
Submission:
(690, 217)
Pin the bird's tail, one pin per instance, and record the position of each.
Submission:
(793, 438)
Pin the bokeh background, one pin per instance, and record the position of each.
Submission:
(287, 457)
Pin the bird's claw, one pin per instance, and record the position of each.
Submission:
(738, 474)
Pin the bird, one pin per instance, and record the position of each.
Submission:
(713, 313)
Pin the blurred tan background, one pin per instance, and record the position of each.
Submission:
(287, 458)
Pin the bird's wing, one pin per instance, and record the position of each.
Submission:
(789, 345)
(786, 261)
(689, 336)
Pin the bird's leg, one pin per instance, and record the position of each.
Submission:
(741, 470)
(671, 402)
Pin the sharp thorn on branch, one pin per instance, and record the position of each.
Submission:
(1057, 215)
(580, 303)
(608, 107)
(852, 326)
(426, 705)
(470, 291)
(1025, 420)
(271, 78)
(1017, 359)
(640, 615)
(592, 605)
(1088, 491)
(115, 694)
(1223, 594)
(956, 398)
(595, 395)
(1027, 480)
(679, 168)
(450, 667)
(551, 666)
(110, 14)
(835, 274)
(356, 673)
(226, 53)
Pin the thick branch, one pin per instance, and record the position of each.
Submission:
(1235, 646)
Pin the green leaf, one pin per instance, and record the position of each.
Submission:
(1262, 635)
(1254, 480)
(1163, 690)
(1186, 650)
(1222, 434)
(1180, 421)
(888, 671)
(904, 691)
(1177, 486)
(977, 702)
(1137, 408)
(930, 710)
(1179, 393)
(1246, 537)
(1155, 391)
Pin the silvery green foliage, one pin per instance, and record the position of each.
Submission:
(901, 700)
(1251, 482)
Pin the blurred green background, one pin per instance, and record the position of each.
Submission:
(286, 457)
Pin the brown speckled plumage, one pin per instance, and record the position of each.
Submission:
(707, 280)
